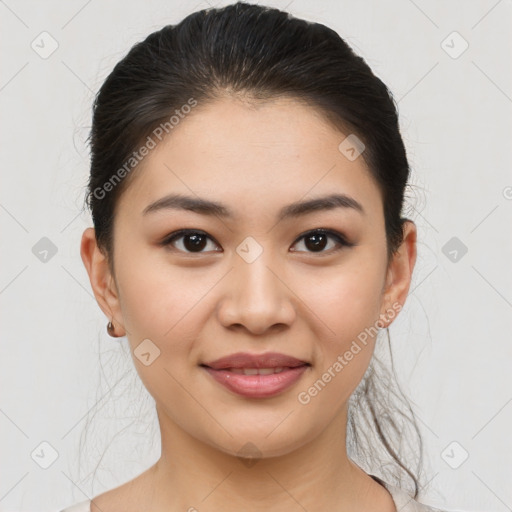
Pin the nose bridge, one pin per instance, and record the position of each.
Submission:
(258, 298)
(255, 269)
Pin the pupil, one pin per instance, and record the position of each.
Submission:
(197, 242)
(319, 241)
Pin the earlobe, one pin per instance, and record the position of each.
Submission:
(101, 279)
(399, 274)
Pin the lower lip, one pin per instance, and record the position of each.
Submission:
(258, 386)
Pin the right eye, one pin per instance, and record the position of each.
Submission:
(192, 241)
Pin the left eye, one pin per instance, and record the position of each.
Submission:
(315, 241)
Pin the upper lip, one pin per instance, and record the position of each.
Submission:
(246, 360)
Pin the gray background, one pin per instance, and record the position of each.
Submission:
(59, 369)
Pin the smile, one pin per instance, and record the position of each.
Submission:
(257, 382)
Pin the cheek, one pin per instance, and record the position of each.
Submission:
(169, 305)
(158, 303)
(156, 296)
(346, 306)
(347, 301)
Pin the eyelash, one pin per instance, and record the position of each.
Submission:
(342, 241)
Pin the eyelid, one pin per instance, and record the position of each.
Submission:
(339, 237)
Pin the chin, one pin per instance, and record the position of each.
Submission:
(251, 444)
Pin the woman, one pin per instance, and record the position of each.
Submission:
(247, 180)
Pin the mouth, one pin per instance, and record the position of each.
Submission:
(256, 376)
(257, 371)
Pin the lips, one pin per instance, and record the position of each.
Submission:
(243, 360)
(256, 376)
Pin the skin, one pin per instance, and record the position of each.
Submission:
(255, 158)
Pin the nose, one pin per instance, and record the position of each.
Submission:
(256, 297)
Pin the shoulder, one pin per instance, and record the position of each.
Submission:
(113, 500)
(131, 496)
(82, 506)
(403, 501)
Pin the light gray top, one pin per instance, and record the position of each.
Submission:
(403, 502)
(83, 506)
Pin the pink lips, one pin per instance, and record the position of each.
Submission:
(256, 375)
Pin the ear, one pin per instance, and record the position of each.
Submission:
(399, 274)
(102, 281)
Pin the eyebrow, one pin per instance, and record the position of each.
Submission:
(297, 209)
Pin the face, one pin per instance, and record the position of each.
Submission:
(310, 284)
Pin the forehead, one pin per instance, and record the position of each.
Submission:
(257, 154)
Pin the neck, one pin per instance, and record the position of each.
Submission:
(192, 475)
